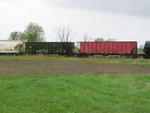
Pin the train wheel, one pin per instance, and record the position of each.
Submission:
(80, 55)
(146, 56)
(128, 56)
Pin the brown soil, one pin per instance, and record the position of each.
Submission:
(13, 68)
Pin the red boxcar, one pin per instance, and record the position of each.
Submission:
(108, 48)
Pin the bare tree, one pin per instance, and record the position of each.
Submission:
(86, 37)
(64, 33)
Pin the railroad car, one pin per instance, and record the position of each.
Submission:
(108, 48)
(10, 46)
(49, 47)
(147, 49)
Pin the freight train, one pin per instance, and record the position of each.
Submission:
(124, 48)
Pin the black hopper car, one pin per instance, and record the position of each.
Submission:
(61, 48)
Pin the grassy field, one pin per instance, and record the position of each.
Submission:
(140, 62)
(77, 93)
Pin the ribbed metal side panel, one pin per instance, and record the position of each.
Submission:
(49, 47)
(108, 47)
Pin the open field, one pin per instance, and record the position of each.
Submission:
(75, 94)
(123, 61)
(36, 84)
(38, 65)
(23, 68)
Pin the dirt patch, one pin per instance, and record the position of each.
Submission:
(13, 68)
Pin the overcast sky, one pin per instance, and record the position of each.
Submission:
(118, 19)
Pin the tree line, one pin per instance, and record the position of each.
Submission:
(35, 33)
(32, 33)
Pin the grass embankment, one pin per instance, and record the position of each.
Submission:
(75, 94)
(140, 62)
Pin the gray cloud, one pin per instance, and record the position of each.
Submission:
(127, 7)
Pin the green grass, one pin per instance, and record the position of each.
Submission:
(108, 56)
(140, 62)
(75, 94)
(140, 51)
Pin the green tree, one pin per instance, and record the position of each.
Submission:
(103, 40)
(15, 36)
(33, 33)
(110, 40)
(99, 40)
